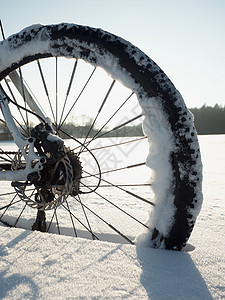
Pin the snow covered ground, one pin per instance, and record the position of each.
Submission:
(34, 265)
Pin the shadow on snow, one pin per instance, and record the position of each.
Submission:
(12, 284)
(170, 275)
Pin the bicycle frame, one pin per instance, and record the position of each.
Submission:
(34, 162)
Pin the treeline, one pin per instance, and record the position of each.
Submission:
(81, 131)
(207, 119)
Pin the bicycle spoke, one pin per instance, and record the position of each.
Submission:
(56, 93)
(104, 126)
(8, 193)
(115, 145)
(80, 221)
(45, 88)
(14, 192)
(8, 205)
(50, 223)
(103, 134)
(68, 90)
(9, 159)
(99, 111)
(57, 221)
(120, 126)
(122, 189)
(81, 144)
(119, 208)
(5, 159)
(6, 223)
(78, 97)
(131, 185)
(88, 223)
(25, 130)
(107, 223)
(71, 218)
(109, 146)
(19, 215)
(118, 169)
(2, 31)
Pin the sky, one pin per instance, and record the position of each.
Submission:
(185, 38)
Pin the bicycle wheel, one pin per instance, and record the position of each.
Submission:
(84, 180)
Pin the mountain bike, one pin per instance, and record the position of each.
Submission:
(63, 176)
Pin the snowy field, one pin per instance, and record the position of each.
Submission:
(34, 265)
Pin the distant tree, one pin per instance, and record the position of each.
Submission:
(209, 120)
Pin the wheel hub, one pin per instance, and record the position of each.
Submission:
(59, 178)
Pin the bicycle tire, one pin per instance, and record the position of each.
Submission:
(174, 153)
